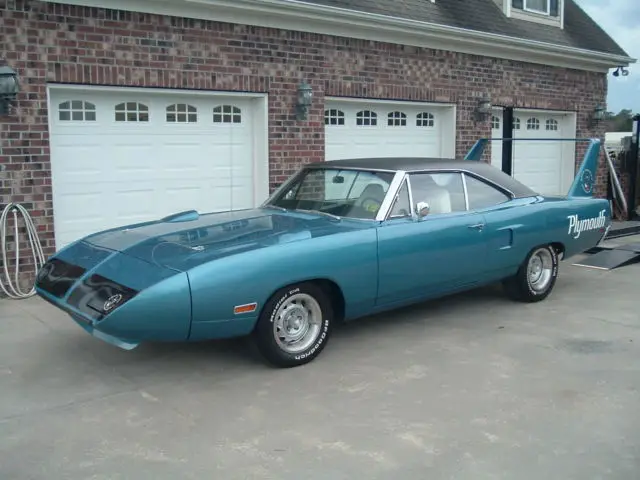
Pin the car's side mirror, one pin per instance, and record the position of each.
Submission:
(422, 209)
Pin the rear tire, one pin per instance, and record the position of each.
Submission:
(294, 325)
(536, 276)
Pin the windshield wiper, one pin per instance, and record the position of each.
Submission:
(327, 214)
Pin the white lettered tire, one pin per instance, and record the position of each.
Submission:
(295, 325)
(536, 276)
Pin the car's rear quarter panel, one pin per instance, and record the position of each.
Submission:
(348, 259)
(559, 213)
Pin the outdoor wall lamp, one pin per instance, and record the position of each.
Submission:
(483, 110)
(621, 70)
(305, 96)
(9, 88)
(599, 114)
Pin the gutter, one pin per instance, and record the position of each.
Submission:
(303, 16)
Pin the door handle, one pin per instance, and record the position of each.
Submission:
(477, 226)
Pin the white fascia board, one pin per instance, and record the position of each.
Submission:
(301, 16)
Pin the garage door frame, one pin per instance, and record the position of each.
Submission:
(569, 126)
(259, 126)
(448, 136)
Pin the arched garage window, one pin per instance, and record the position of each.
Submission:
(77, 111)
(495, 122)
(397, 119)
(227, 114)
(182, 113)
(132, 112)
(366, 118)
(333, 117)
(533, 124)
(551, 124)
(425, 119)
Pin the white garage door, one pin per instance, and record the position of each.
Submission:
(356, 129)
(121, 157)
(545, 166)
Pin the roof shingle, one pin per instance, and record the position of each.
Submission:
(580, 30)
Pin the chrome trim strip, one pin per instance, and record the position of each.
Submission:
(466, 193)
(363, 168)
(412, 210)
(471, 174)
(385, 208)
(286, 184)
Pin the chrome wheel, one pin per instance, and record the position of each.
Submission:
(297, 323)
(540, 270)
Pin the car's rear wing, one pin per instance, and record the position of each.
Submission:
(584, 180)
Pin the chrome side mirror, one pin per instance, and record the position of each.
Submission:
(422, 209)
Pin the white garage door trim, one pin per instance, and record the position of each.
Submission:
(442, 127)
(257, 161)
(564, 151)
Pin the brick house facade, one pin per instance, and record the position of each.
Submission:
(58, 43)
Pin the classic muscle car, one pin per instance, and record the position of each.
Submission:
(339, 240)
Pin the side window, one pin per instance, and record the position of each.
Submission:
(402, 205)
(443, 192)
(482, 195)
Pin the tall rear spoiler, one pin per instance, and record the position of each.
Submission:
(585, 178)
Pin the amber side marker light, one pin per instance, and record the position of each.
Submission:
(248, 308)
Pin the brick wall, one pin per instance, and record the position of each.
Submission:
(48, 42)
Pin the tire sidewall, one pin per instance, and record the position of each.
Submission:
(528, 290)
(265, 330)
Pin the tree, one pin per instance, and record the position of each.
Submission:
(620, 122)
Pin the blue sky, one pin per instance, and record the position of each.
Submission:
(621, 20)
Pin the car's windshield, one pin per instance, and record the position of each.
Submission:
(345, 193)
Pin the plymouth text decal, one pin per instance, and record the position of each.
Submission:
(577, 225)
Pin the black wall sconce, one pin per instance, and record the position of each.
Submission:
(483, 110)
(9, 88)
(599, 114)
(620, 71)
(305, 96)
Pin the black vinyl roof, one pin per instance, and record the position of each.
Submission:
(415, 164)
(580, 30)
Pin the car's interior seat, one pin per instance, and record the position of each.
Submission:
(427, 190)
(373, 191)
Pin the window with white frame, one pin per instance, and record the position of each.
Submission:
(131, 112)
(333, 116)
(533, 124)
(538, 6)
(77, 111)
(181, 113)
(425, 119)
(542, 7)
(397, 119)
(366, 118)
(551, 124)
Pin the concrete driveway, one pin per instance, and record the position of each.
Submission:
(468, 387)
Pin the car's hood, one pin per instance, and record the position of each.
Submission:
(189, 239)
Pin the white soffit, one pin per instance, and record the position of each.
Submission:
(321, 19)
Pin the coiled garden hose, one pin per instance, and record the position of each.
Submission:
(12, 290)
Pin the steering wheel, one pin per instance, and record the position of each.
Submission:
(370, 204)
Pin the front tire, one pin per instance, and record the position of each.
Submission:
(536, 276)
(294, 325)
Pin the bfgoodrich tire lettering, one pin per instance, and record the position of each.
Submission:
(536, 276)
(294, 325)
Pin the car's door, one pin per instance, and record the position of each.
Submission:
(421, 257)
(506, 225)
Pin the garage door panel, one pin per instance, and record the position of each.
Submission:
(541, 165)
(175, 155)
(380, 129)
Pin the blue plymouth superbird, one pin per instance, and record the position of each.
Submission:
(339, 240)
